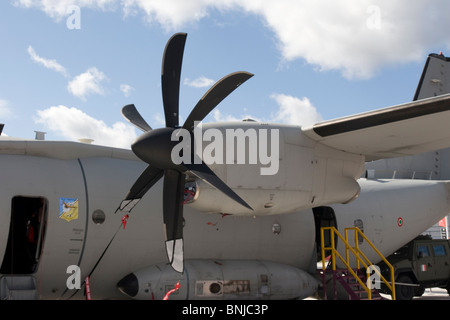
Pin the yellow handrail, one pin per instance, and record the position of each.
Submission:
(358, 254)
(391, 286)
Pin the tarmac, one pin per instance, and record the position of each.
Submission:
(434, 294)
(429, 294)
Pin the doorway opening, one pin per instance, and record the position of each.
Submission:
(324, 217)
(26, 235)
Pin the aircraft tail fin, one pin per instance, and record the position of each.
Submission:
(435, 79)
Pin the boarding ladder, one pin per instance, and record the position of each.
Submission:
(353, 280)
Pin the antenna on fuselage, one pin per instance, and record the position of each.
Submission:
(40, 135)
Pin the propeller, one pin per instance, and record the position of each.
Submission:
(154, 147)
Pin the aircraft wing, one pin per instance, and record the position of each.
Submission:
(403, 130)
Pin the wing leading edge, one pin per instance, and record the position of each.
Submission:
(402, 130)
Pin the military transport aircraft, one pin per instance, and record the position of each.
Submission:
(241, 202)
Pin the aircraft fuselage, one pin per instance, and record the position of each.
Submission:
(72, 190)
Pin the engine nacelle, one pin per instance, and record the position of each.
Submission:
(220, 279)
(300, 173)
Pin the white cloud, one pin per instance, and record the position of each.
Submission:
(220, 117)
(356, 38)
(58, 9)
(74, 124)
(172, 14)
(200, 82)
(126, 89)
(82, 85)
(49, 64)
(295, 111)
(87, 83)
(291, 110)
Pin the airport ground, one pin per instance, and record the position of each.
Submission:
(429, 294)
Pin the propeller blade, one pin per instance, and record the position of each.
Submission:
(204, 172)
(173, 196)
(132, 115)
(155, 148)
(215, 95)
(146, 180)
(175, 253)
(170, 77)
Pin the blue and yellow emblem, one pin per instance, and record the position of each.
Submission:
(68, 208)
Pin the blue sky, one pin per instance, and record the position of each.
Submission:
(67, 67)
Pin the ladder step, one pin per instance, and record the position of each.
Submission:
(374, 298)
(353, 281)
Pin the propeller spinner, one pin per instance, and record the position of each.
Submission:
(154, 147)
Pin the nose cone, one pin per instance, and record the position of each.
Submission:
(142, 145)
(155, 147)
(129, 285)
